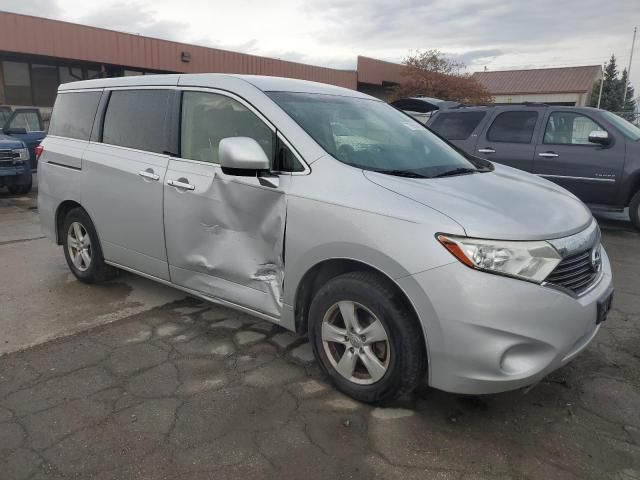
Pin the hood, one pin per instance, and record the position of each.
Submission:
(505, 204)
(7, 142)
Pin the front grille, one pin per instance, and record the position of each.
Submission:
(7, 155)
(575, 273)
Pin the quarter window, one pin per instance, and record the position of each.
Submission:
(208, 118)
(513, 127)
(456, 126)
(136, 119)
(73, 114)
(569, 128)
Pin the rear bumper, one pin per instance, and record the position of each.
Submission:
(488, 334)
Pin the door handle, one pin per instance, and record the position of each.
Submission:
(548, 155)
(486, 150)
(182, 183)
(148, 173)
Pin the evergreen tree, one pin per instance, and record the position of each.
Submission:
(629, 108)
(612, 89)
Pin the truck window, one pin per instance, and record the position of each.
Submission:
(569, 128)
(128, 110)
(73, 114)
(513, 127)
(456, 125)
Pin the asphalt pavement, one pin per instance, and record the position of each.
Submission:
(133, 380)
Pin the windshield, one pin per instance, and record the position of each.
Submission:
(372, 135)
(628, 129)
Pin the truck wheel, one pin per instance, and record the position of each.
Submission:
(634, 210)
(365, 338)
(82, 248)
(20, 189)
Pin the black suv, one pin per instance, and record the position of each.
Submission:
(593, 153)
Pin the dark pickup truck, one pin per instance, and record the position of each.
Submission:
(21, 132)
(592, 153)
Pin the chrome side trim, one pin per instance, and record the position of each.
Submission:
(197, 294)
(586, 179)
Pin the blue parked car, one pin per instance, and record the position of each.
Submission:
(22, 132)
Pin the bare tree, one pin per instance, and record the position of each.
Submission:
(432, 74)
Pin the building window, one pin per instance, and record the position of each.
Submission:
(45, 84)
(17, 83)
(70, 74)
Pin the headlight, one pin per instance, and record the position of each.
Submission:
(532, 261)
(23, 154)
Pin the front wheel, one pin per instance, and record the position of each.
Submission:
(20, 189)
(82, 248)
(634, 210)
(365, 338)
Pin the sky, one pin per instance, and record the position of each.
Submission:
(496, 34)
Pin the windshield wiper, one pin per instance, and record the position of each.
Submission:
(401, 173)
(456, 171)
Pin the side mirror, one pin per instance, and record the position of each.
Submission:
(242, 156)
(600, 137)
(14, 131)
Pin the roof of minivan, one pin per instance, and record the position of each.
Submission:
(264, 83)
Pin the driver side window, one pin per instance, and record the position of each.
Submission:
(207, 118)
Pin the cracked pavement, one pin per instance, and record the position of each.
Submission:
(191, 390)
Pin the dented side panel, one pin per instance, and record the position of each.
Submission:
(225, 238)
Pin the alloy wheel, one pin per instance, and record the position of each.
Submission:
(79, 246)
(356, 342)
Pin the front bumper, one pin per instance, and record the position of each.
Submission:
(488, 333)
(18, 174)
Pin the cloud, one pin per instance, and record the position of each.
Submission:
(474, 57)
(138, 19)
(40, 8)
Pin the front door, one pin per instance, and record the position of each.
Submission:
(565, 156)
(224, 233)
(508, 138)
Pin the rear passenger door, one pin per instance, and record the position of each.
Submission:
(124, 170)
(565, 156)
(509, 136)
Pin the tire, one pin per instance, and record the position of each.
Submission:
(89, 268)
(634, 210)
(374, 300)
(20, 189)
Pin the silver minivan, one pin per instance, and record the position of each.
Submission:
(332, 214)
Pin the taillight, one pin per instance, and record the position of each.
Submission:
(39, 150)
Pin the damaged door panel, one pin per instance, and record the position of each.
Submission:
(225, 236)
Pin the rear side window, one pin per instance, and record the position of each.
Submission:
(457, 125)
(136, 119)
(513, 127)
(73, 114)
